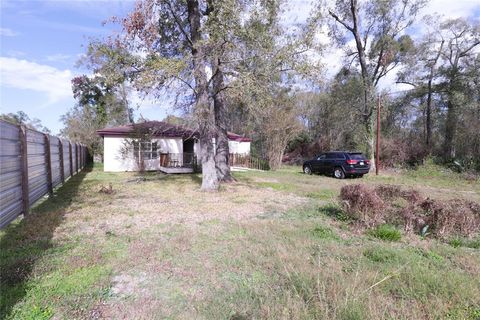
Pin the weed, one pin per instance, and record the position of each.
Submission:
(380, 254)
(322, 232)
(385, 232)
(465, 242)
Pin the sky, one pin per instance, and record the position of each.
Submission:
(41, 41)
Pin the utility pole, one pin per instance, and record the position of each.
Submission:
(377, 149)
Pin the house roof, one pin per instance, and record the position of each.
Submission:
(160, 129)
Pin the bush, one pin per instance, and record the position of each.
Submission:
(362, 203)
(386, 232)
(385, 204)
(387, 191)
(456, 217)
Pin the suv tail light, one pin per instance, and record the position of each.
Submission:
(367, 161)
(351, 161)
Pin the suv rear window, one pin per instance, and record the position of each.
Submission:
(356, 156)
(335, 155)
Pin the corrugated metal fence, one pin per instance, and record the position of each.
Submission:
(31, 165)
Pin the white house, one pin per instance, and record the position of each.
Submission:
(157, 145)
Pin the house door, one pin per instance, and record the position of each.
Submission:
(188, 146)
(188, 155)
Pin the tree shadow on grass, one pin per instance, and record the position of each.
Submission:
(335, 212)
(24, 242)
(171, 177)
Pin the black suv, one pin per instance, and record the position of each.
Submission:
(338, 163)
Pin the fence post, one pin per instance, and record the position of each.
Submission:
(48, 163)
(70, 155)
(60, 159)
(24, 159)
(76, 157)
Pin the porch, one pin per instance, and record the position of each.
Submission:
(177, 162)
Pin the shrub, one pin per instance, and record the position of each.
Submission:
(362, 203)
(383, 204)
(456, 217)
(386, 232)
(387, 191)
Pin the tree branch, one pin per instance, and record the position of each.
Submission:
(177, 20)
(343, 23)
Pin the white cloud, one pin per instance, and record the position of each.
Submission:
(6, 32)
(452, 9)
(27, 75)
(58, 57)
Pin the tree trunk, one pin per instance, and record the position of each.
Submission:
(222, 150)
(450, 130)
(370, 141)
(428, 121)
(428, 138)
(203, 109)
(367, 87)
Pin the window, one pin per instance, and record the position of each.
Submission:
(148, 149)
(321, 157)
(357, 156)
(335, 155)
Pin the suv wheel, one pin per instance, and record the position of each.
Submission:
(307, 170)
(338, 173)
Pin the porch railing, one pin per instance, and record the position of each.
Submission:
(247, 161)
(178, 160)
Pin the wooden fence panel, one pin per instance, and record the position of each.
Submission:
(74, 158)
(11, 202)
(37, 173)
(66, 159)
(55, 161)
(31, 165)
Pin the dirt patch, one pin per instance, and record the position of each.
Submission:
(140, 206)
(126, 285)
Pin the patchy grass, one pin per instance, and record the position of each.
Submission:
(435, 181)
(275, 245)
(322, 232)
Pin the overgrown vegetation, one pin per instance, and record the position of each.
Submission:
(248, 251)
(409, 209)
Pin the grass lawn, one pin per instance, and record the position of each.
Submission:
(274, 245)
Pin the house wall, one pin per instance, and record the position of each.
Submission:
(118, 158)
(239, 147)
(118, 153)
(233, 146)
